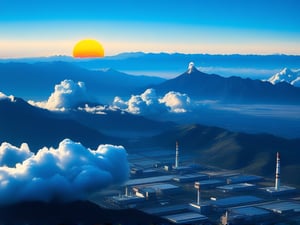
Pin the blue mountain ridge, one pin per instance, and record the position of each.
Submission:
(203, 86)
(36, 81)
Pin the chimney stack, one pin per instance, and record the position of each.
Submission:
(177, 155)
(197, 186)
(277, 178)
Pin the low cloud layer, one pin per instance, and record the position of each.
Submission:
(67, 95)
(148, 103)
(70, 172)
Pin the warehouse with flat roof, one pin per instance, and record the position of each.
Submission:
(149, 180)
(237, 187)
(225, 203)
(244, 179)
(187, 218)
(211, 183)
(282, 207)
(190, 177)
(153, 190)
(247, 215)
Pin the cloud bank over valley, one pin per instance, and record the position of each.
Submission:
(148, 103)
(69, 172)
(67, 95)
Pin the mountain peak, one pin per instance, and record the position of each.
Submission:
(285, 71)
(191, 68)
(286, 75)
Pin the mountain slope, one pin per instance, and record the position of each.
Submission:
(36, 81)
(202, 86)
(119, 123)
(21, 122)
(286, 75)
(231, 150)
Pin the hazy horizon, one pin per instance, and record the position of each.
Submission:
(144, 52)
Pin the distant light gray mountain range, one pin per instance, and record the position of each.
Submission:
(170, 65)
(35, 81)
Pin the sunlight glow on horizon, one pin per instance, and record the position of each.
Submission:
(193, 26)
(46, 48)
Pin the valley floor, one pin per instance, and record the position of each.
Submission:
(159, 189)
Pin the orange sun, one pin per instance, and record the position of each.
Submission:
(88, 49)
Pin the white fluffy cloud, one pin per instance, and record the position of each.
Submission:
(149, 103)
(66, 95)
(11, 155)
(177, 102)
(70, 172)
(146, 103)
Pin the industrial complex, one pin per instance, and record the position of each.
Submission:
(170, 185)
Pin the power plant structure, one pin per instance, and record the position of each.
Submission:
(221, 194)
(277, 176)
(197, 186)
(177, 155)
(277, 189)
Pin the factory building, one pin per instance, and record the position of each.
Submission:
(283, 207)
(126, 201)
(244, 179)
(199, 206)
(153, 190)
(149, 180)
(139, 172)
(167, 210)
(237, 187)
(279, 189)
(225, 203)
(247, 215)
(187, 218)
(190, 177)
(211, 183)
(215, 174)
(284, 190)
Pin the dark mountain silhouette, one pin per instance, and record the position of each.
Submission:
(199, 85)
(79, 212)
(21, 122)
(251, 153)
(36, 81)
(120, 123)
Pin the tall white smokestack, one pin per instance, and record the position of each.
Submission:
(277, 180)
(177, 155)
(197, 186)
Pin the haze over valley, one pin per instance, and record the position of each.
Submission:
(136, 109)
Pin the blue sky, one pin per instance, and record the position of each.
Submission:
(44, 28)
